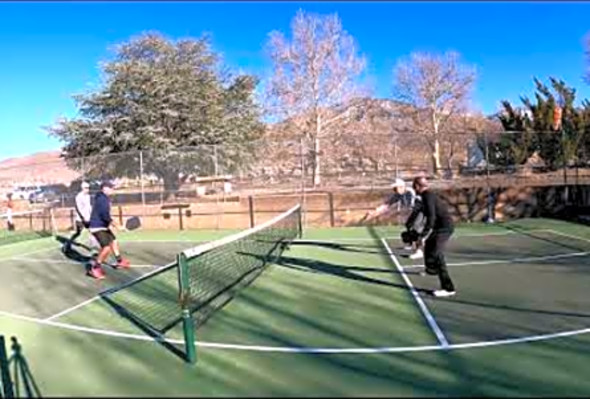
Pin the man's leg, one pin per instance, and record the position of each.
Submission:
(68, 245)
(121, 262)
(105, 241)
(440, 242)
(430, 261)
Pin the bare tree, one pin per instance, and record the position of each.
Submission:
(436, 87)
(315, 76)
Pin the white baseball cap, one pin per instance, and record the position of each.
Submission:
(398, 183)
(85, 184)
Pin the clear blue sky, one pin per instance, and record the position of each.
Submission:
(51, 50)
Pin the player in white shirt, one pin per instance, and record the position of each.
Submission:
(83, 209)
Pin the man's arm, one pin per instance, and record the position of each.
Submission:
(381, 209)
(104, 212)
(416, 210)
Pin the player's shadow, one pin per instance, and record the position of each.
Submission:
(21, 383)
(72, 253)
(64, 240)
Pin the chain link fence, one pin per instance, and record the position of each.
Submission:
(218, 175)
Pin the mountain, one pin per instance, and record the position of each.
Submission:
(43, 168)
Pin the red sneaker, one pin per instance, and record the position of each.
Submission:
(96, 272)
(123, 264)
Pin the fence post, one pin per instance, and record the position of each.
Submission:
(490, 215)
(141, 180)
(120, 215)
(331, 203)
(303, 176)
(251, 210)
(181, 224)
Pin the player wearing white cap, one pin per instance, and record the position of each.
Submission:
(410, 204)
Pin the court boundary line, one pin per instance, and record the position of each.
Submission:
(440, 336)
(72, 308)
(397, 237)
(32, 252)
(508, 261)
(576, 237)
(73, 262)
(300, 349)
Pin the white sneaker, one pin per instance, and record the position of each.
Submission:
(408, 248)
(417, 255)
(443, 293)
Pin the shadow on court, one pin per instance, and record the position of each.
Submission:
(569, 244)
(360, 248)
(21, 382)
(347, 272)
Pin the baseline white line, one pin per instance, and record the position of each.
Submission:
(301, 349)
(71, 309)
(429, 318)
(397, 237)
(507, 261)
(71, 262)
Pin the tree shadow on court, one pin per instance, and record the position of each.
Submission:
(516, 308)
(531, 234)
(347, 272)
(158, 334)
(359, 248)
(21, 382)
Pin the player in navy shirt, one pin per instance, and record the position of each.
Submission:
(100, 225)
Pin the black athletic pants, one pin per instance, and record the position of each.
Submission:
(434, 257)
(79, 227)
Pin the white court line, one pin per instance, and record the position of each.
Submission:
(444, 343)
(30, 252)
(71, 309)
(72, 262)
(505, 261)
(397, 237)
(559, 233)
(300, 349)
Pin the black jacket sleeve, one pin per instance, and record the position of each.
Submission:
(429, 213)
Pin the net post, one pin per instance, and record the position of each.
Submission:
(188, 325)
(6, 385)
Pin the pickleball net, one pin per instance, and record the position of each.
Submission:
(204, 278)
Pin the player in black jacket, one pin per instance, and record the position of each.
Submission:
(438, 229)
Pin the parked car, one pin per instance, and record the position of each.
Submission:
(44, 194)
(25, 191)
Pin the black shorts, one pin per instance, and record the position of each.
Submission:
(104, 237)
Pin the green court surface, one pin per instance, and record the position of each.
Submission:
(343, 312)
